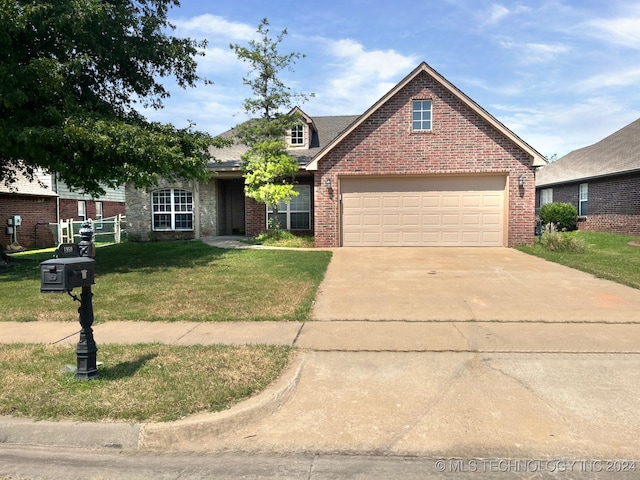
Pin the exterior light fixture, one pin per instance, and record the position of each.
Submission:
(327, 183)
(521, 181)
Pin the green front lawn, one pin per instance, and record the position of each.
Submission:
(608, 256)
(137, 383)
(171, 281)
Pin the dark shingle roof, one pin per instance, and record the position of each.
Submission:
(618, 153)
(327, 128)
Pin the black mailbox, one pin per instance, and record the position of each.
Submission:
(60, 275)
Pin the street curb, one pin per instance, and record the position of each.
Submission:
(183, 434)
(151, 436)
(20, 431)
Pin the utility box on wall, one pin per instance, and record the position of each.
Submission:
(15, 221)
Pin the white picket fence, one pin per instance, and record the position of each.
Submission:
(106, 230)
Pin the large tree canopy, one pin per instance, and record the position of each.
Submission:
(71, 75)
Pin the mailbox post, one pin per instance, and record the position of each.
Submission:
(74, 268)
(86, 350)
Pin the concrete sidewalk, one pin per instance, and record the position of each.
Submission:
(352, 336)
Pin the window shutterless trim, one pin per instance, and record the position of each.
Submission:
(422, 115)
(583, 199)
(172, 209)
(288, 211)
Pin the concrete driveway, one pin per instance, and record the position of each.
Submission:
(466, 284)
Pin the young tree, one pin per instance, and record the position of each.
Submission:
(71, 73)
(269, 170)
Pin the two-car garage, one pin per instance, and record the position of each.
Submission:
(455, 210)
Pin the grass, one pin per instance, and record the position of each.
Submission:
(282, 238)
(173, 281)
(146, 382)
(607, 256)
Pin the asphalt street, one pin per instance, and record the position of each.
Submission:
(24, 462)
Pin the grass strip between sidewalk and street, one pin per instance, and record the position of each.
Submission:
(137, 383)
(174, 281)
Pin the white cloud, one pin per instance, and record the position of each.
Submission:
(556, 128)
(357, 78)
(528, 53)
(218, 26)
(497, 13)
(502, 90)
(623, 31)
(218, 60)
(622, 78)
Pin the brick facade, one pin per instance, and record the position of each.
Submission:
(460, 142)
(256, 213)
(36, 212)
(613, 203)
(69, 209)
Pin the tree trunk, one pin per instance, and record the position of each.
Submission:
(275, 223)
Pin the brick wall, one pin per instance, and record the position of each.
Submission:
(460, 142)
(613, 203)
(36, 213)
(69, 209)
(256, 213)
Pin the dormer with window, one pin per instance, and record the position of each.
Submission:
(299, 136)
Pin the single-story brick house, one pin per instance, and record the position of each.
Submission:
(35, 204)
(602, 181)
(46, 200)
(423, 166)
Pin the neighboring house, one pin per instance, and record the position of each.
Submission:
(424, 166)
(48, 200)
(79, 206)
(35, 204)
(602, 181)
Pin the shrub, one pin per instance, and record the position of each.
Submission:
(555, 241)
(564, 215)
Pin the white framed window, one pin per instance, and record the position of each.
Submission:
(82, 210)
(296, 214)
(172, 209)
(583, 204)
(546, 196)
(297, 135)
(421, 115)
(98, 220)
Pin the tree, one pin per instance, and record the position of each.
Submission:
(269, 171)
(71, 73)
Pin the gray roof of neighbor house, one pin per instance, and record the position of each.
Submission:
(327, 128)
(23, 186)
(616, 154)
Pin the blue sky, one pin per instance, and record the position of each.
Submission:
(562, 74)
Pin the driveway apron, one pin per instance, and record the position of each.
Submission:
(466, 284)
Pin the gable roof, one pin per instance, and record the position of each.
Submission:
(325, 129)
(537, 158)
(615, 154)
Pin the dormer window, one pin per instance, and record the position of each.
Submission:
(297, 136)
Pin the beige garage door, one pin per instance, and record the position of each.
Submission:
(423, 211)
